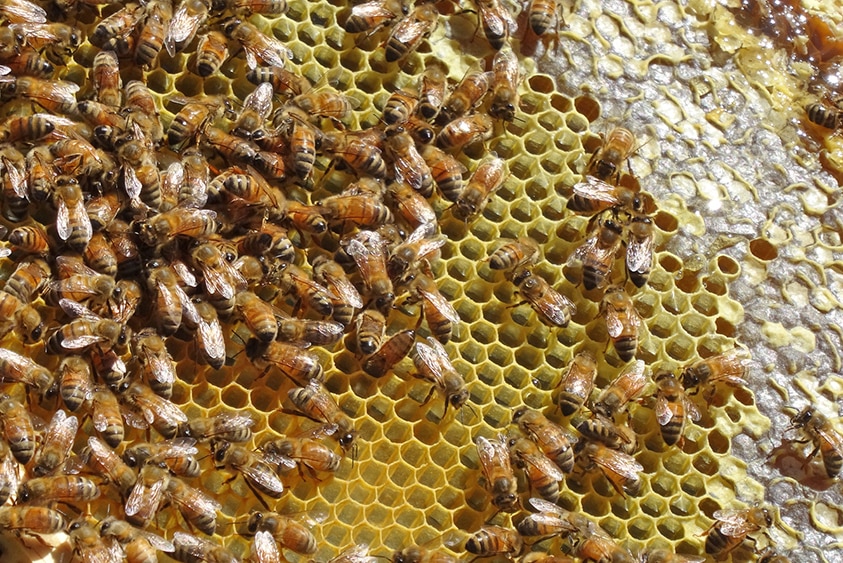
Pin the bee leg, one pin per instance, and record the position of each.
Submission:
(430, 395)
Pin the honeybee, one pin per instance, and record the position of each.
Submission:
(371, 325)
(157, 17)
(606, 161)
(258, 315)
(249, 7)
(827, 441)
(315, 402)
(769, 555)
(594, 195)
(421, 554)
(550, 520)
(222, 426)
(434, 365)
(289, 532)
(163, 415)
(420, 130)
(21, 369)
(256, 108)
(284, 82)
(390, 353)
(824, 116)
(411, 205)
(72, 223)
(31, 520)
(56, 443)
(191, 548)
(102, 210)
(14, 185)
(421, 243)
(622, 321)
(141, 177)
(371, 16)
(347, 298)
(56, 96)
(83, 285)
(730, 367)
(293, 123)
(113, 32)
(220, 277)
(355, 554)
(100, 256)
(24, 319)
(28, 279)
(264, 549)
(408, 33)
(29, 127)
(86, 331)
(146, 495)
(369, 251)
(211, 52)
(29, 62)
(466, 130)
(490, 541)
(22, 11)
(107, 416)
(293, 361)
(543, 474)
(485, 180)
(436, 309)
(577, 382)
(103, 460)
(672, 406)
(256, 44)
(621, 469)
(105, 76)
(498, 24)
(193, 117)
(199, 509)
(553, 307)
(447, 171)
(324, 103)
(363, 210)
(542, 15)
(731, 528)
(60, 488)
(258, 474)
(156, 365)
(177, 454)
(400, 106)
(9, 478)
(539, 557)
(626, 387)
(181, 221)
(168, 297)
(639, 249)
(433, 85)
(306, 450)
(320, 333)
(602, 429)
(296, 281)
(57, 40)
(551, 439)
(595, 544)
(358, 152)
(187, 20)
(468, 93)
(599, 249)
(666, 556)
(139, 546)
(507, 76)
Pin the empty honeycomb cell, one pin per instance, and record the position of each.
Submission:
(671, 528)
(532, 104)
(216, 86)
(666, 222)
(355, 61)
(386, 453)
(159, 81)
(676, 462)
(652, 506)
(522, 212)
(693, 485)
(663, 485)
(715, 284)
(662, 325)
(536, 143)
(709, 506)
(537, 339)
(541, 83)
(496, 415)
(553, 163)
(680, 348)
(670, 262)
(724, 327)
(649, 461)
(596, 505)
(560, 103)
(432, 477)
(640, 528)
(646, 304)
(705, 304)
(744, 396)
(660, 281)
(371, 475)
(349, 513)
(401, 474)
(346, 362)
(728, 266)
(189, 85)
(379, 408)
(687, 282)
(235, 397)
(483, 333)
(763, 249)
(682, 506)
(576, 122)
(553, 122)
(587, 106)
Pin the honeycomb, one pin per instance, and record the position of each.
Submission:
(748, 241)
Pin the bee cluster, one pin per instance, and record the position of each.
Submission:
(278, 230)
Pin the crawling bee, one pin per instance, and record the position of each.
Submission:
(731, 527)
(827, 441)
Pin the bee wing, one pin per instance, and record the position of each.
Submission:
(692, 411)
(345, 290)
(614, 322)
(16, 366)
(177, 447)
(548, 507)
(356, 554)
(373, 11)
(664, 413)
(140, 502)
(734, 523)
(193, 545)
(410, 31)
(637, 377)
(639, 254)
(263, 475)
(270, 51)
(544, 465)
(61, 431)
(429, 357)
(492, 454)
(212, 339)
(441, 304)
(157, 541)
(183, 27)
(23, 11)
(17, 178)
(619, 462)
(597, 190)
(260, 100)
(736, 363)
(216, 282)
(63, 226)
(264, 548)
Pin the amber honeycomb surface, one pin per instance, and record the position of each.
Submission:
(748, 243)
